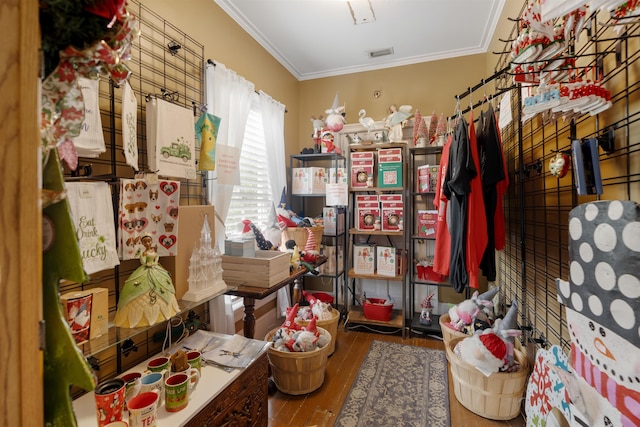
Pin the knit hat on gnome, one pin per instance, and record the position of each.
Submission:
(486, 351)
(310, 251)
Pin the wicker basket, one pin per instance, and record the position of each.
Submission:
(298, 372)
(300, 235)
(496, 397)
(447, 333)
(331, 325)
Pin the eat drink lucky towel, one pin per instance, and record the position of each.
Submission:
(92, 214)
(148, 207)
(171, 139)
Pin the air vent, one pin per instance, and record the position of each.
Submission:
(380, 52)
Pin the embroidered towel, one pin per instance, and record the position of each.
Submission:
(92, 214)
(90, 142)
(130, 126)
(206, 132)
(171, 139)
(148, 206)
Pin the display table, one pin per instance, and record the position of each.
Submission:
(238, 397)
(251, 293)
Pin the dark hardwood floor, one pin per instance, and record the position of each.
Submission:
(321, 407)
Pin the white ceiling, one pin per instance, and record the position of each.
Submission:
(318, 38)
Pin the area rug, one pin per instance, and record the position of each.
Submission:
(398, 385)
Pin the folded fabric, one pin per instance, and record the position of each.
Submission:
(148, 207)
(90, 142)
(92, 214)
(207, 131)
(130, 126)
(170, 139)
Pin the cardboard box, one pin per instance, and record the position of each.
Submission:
(367, 198)
(338, 175)
(386, 261)
(364, 259)
(300, 181)
(383, 198)
(87, 313)
(392, 216)
(390, 175)
(368, 217)
(329, 267)
(333, 220)
(389, 155)
(427, 223)
(424, 179)
(434, 170)
(312, 180)
(362, 173)
(190, 222)
(265, 270)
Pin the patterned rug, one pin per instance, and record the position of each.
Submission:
(398, 385)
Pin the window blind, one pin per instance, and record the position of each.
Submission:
(251, 199)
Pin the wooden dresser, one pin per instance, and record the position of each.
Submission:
(243, 403)
(236, 398)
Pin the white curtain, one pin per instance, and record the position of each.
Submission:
(273, 122)
(228, 97)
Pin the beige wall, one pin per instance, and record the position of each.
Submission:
(226, 42)
(429, 87)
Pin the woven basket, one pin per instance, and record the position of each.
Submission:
(331, 325)
(496, 397)
(298, 372)
(300, 235)
(447, 333)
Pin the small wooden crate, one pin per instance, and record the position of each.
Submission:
(266, 269)
(496, 397)
(300, 235)
(331, 325)
(298, 372)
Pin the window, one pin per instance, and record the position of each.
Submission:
(252, 198)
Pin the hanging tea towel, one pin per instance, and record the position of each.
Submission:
(92, 214)
(171, 139)
(90, 142)
(206, 132)
(130, 126)
(148, 206)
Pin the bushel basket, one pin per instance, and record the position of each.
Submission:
(331, 325)
(298, 372)
(496, 397)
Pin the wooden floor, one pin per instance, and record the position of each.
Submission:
(321, 407)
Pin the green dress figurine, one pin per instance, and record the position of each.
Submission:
(148, 295)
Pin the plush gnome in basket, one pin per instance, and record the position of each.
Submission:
(479, 306)
(486, 350)
(310, 253)
(291, 337)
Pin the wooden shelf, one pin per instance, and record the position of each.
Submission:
(374, 189)
(352, 274)
(357, 316)
(434, 328)
(376, 232)
(376, 145)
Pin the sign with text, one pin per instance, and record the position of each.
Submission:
(228, 165)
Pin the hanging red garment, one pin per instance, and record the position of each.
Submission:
(476, 216)
(442, 254)
(499, 227)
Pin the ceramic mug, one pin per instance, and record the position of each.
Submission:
(154, 382)
(143, 409)
(133, 383)
(117, 424)
(194, 358)
(159, 364)
(177, 389)
(109, 397)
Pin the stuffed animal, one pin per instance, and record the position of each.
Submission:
(486, 351)
(478, 306)
(335, 118)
